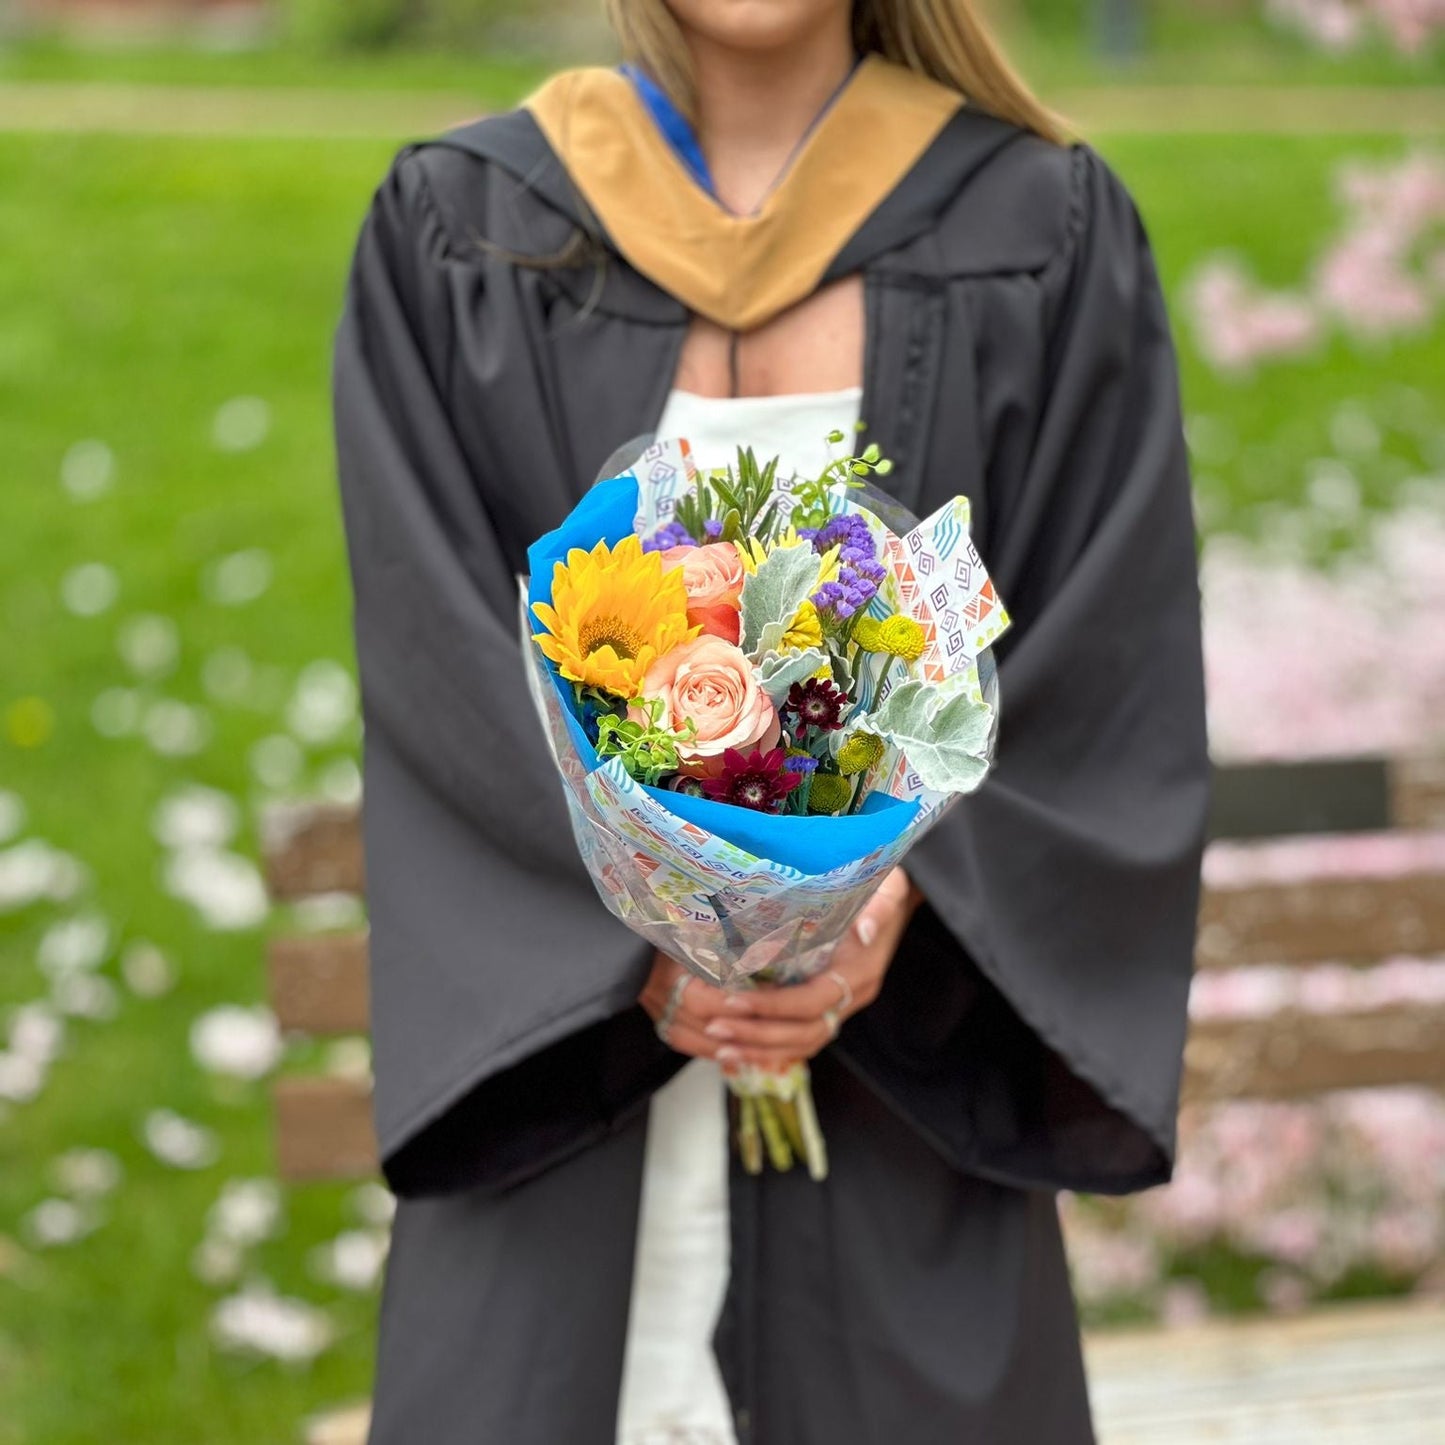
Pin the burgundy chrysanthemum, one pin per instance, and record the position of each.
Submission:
(816, 703)
(756, 780)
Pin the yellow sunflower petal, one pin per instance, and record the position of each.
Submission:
(613, 611)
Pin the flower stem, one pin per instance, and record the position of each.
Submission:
(814, 1151)
(787, 1112)
(750, 1142)
(779, 1153)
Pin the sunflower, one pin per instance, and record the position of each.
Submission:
(614, 612)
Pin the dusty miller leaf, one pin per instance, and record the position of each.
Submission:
(773, 593)
(778, 671)
(940, 730)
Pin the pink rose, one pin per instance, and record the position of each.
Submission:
(713, 576)
(710, 682)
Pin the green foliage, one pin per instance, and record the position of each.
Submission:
(351, 24)
(738, 499)
(377, 24)
(647, 750)
(813, 499)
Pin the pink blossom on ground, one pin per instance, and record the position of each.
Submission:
(1377, 277)
(1370, 278)
(1283, 1292)
(1334, 856)
(1341, 25)
(1238, 323)
(1183, 1302)
(1334, 25)
(1320, 1187)
(1406, 1239)
(1257, 991)
(1232, 993)
(1303, 662)
(1293, 1234)
(1109, 1266)
(1361, 281)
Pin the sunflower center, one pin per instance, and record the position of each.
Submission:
(609, 631)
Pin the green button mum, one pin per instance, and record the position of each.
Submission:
(858, 753)
(829, 793)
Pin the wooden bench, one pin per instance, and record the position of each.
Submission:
(318, 983)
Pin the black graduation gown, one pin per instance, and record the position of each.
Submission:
(1029, 1034)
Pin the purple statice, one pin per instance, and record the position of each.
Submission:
(712, 529)
(670, 534)
(860, 573)
(800, 763)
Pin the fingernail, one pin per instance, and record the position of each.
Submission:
(727, 1055)
(719, 1029)
(867, 930)
(739, 1002)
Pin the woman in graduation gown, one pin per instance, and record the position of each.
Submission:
(770, 199)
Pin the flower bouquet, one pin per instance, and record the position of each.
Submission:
(759, 694)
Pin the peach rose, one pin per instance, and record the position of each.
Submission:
(710, 682)
(713, 576)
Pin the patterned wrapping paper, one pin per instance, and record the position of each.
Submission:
(720, 909)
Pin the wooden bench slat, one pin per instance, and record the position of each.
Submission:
(316, 847)
(319, 984)
(324, 1129)
(1291, 1054)
(311, 848)
(1334, 920)
(1417, 791)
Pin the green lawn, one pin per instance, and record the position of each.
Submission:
(147, 282)
(1182, 42)
(496, 81)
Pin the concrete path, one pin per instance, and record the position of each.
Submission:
(1359, 1374)
(282, 111)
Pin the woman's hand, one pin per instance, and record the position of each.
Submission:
(775, 1027)
(698, 1005)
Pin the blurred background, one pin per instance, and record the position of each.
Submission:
(180, 188)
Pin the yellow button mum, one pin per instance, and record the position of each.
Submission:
(901, 636)
(614, 612)
(865, 633)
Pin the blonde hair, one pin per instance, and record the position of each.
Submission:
(943, 39)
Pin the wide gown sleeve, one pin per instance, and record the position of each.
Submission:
(1033, 1021)
(505, 1025)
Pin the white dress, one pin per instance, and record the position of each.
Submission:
(672, 1393)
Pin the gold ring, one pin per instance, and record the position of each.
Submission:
(846, 1001)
